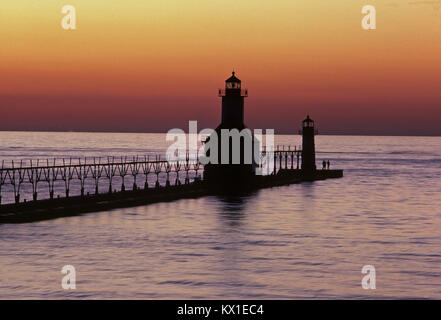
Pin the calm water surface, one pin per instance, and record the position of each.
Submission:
(301, 241)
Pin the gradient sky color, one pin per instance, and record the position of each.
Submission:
(149, 66)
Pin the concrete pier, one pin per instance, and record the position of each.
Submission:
(288, 165)
(71, 206)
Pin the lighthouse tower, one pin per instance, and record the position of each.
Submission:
(231, 173)
(308, 146)
(233, 98)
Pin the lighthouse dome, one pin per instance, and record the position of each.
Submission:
(308, 122)
(233, 78)
(233, 82)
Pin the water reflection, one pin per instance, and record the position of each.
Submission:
(233, 206)
(306, 240)
(307, 191)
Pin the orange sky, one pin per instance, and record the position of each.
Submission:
(153, 65)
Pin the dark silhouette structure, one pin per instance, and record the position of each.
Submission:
(231, 170)
(233, 101)
(234, 166)
(308, 147)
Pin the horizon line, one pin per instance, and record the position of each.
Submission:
(277, 134)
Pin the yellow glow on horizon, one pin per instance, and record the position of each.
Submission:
(144, 47)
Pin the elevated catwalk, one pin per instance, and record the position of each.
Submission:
(70, 206)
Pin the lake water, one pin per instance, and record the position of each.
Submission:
(307, 240)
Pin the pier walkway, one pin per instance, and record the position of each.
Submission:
(72, 187)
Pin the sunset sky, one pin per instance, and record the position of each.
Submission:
(149, 66)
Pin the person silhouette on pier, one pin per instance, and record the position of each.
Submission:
(329, 164)
(324, 164)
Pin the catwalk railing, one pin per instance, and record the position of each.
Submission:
(46, 179)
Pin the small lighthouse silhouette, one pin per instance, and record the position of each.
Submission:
(236, 164)
(308, 147)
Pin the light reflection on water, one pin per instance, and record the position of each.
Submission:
(307, 240)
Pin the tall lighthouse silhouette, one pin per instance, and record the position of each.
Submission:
(235, 165)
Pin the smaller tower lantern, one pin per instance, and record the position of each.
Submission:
(308, 122)
(308, 146)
